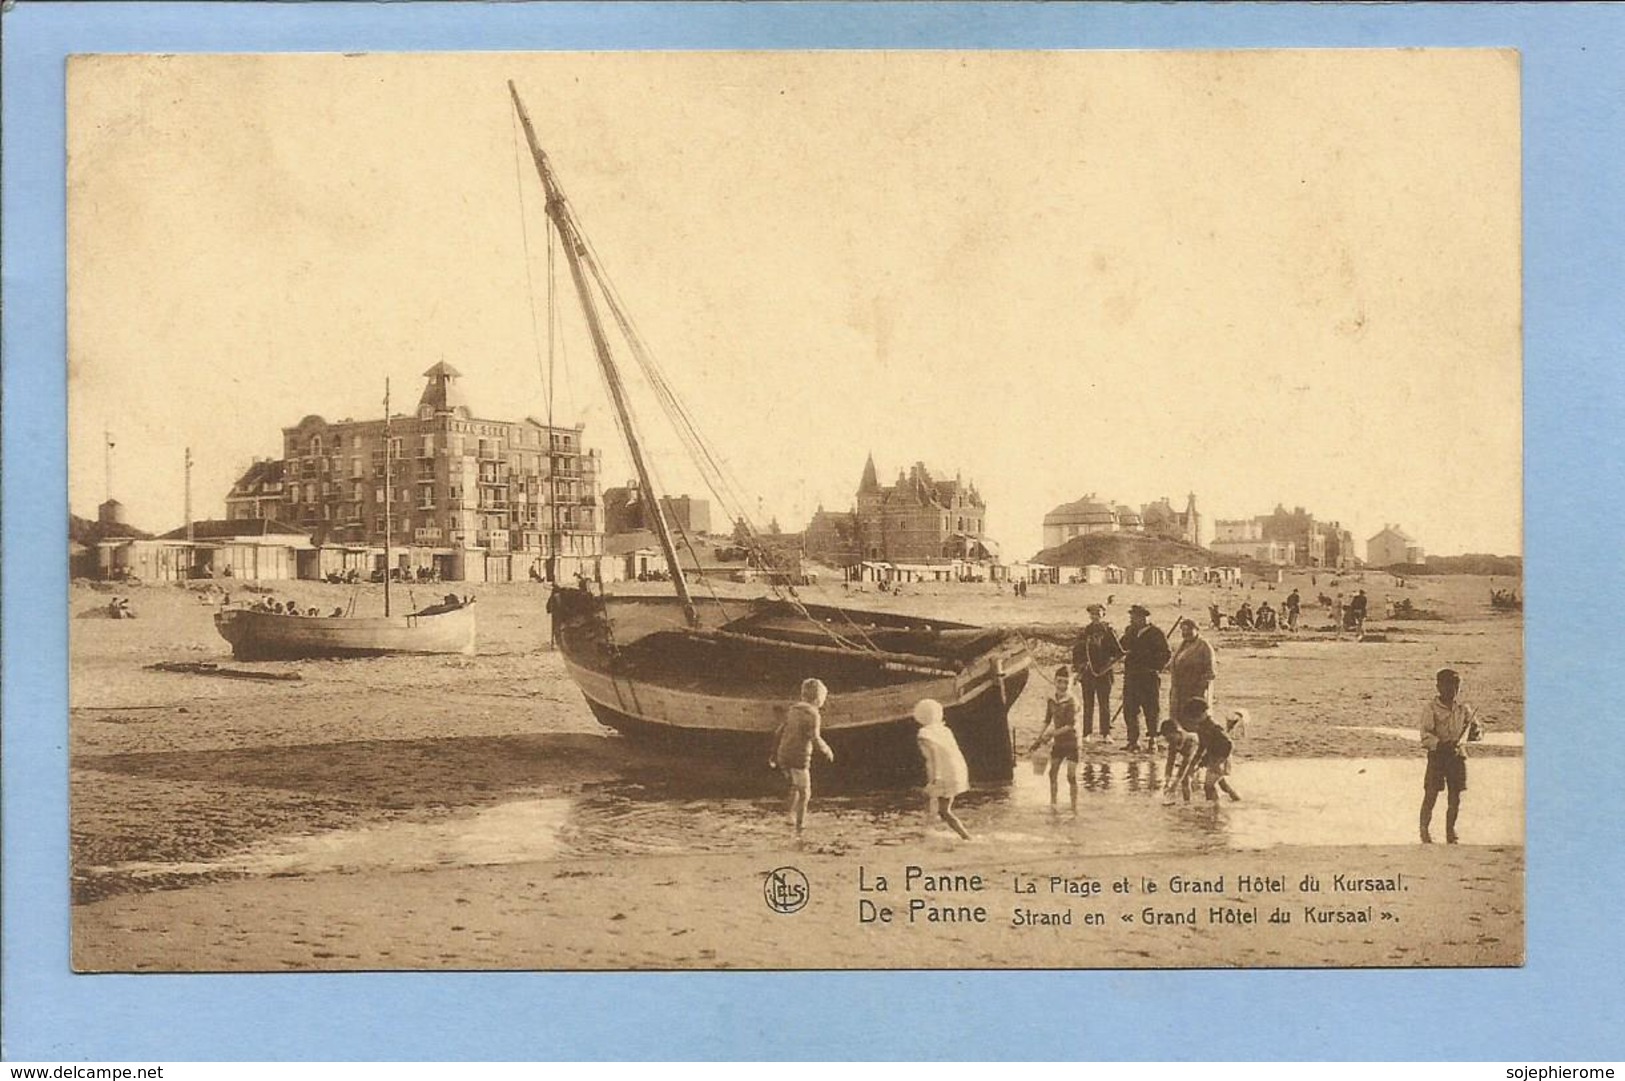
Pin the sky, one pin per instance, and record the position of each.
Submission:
(1263, 277)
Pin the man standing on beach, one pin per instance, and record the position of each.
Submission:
(1145, 655)
(1094, 657)
(1191, 671)
(1448, 725)
(1357, 611)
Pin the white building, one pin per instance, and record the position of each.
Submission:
(1393, 545)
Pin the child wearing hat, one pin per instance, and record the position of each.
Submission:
(946, 774)
(1061, 725)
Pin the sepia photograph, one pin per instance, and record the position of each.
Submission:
(786, 510)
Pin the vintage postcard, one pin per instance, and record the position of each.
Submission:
(795, 510)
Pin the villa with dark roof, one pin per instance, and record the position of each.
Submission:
(1091, 514)
(920, 517)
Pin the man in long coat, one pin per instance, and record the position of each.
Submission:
(1191, 671)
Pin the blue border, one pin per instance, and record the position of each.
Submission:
(1564, 1005)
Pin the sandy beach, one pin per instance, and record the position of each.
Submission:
(469, 813)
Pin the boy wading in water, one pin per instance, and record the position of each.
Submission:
(1213, 749)
(1181, 760)
(946, 774)
(1061, 716)
(1448, 725)
(794, 743)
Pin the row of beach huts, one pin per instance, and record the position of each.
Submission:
(263, 549)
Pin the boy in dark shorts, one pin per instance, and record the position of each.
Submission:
(1448, 725)
(1213, 749)
(793, 746)
(1061, 714)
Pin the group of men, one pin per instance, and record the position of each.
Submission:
(1193, 737)
(1143, 652)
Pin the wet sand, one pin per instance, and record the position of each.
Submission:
(468, 812)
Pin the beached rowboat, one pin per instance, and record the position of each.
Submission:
(257, 635)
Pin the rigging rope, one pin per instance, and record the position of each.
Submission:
(713, 472)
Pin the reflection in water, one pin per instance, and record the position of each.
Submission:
(1121, 810)
(1134, 776)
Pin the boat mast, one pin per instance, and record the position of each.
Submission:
(559, 211)
(388, 485)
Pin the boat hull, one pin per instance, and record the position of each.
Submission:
(727, 699)
(273, 636)
(885, 752)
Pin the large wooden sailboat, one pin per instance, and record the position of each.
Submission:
(718, 675)
(257, 634)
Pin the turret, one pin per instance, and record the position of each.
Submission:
(440, 393)
(869, 483)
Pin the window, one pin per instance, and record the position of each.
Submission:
(355, 466)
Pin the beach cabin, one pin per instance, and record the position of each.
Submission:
(255, 549)
(640, 556)
(1035, 573)
(147, 560)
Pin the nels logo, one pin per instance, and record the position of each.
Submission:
(786, 890)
